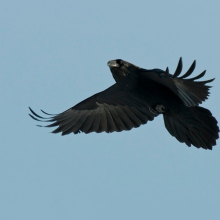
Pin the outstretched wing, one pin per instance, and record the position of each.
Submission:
(110, 110)
(191, 92)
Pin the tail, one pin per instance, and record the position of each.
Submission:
(193, 125)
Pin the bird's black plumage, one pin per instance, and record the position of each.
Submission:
(137, 97)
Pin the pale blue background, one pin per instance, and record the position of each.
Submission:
(53, 54)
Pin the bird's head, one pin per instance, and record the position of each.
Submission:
(124, 73)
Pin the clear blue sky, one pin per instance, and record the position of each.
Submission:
(54, 54)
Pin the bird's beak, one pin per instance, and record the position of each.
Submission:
(112, 63)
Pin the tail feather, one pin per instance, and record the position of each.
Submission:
(194, 126)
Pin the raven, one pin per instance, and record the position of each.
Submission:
(137, 97)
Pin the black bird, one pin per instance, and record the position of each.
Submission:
(137, 97)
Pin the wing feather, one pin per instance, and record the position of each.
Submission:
(178, 69)
(87, 123)
(110, 122)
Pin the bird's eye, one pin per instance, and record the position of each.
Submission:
(119, 62)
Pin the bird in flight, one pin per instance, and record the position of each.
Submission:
(137, 97)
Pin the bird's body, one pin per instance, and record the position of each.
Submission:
(161, 94)
(138, 96)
